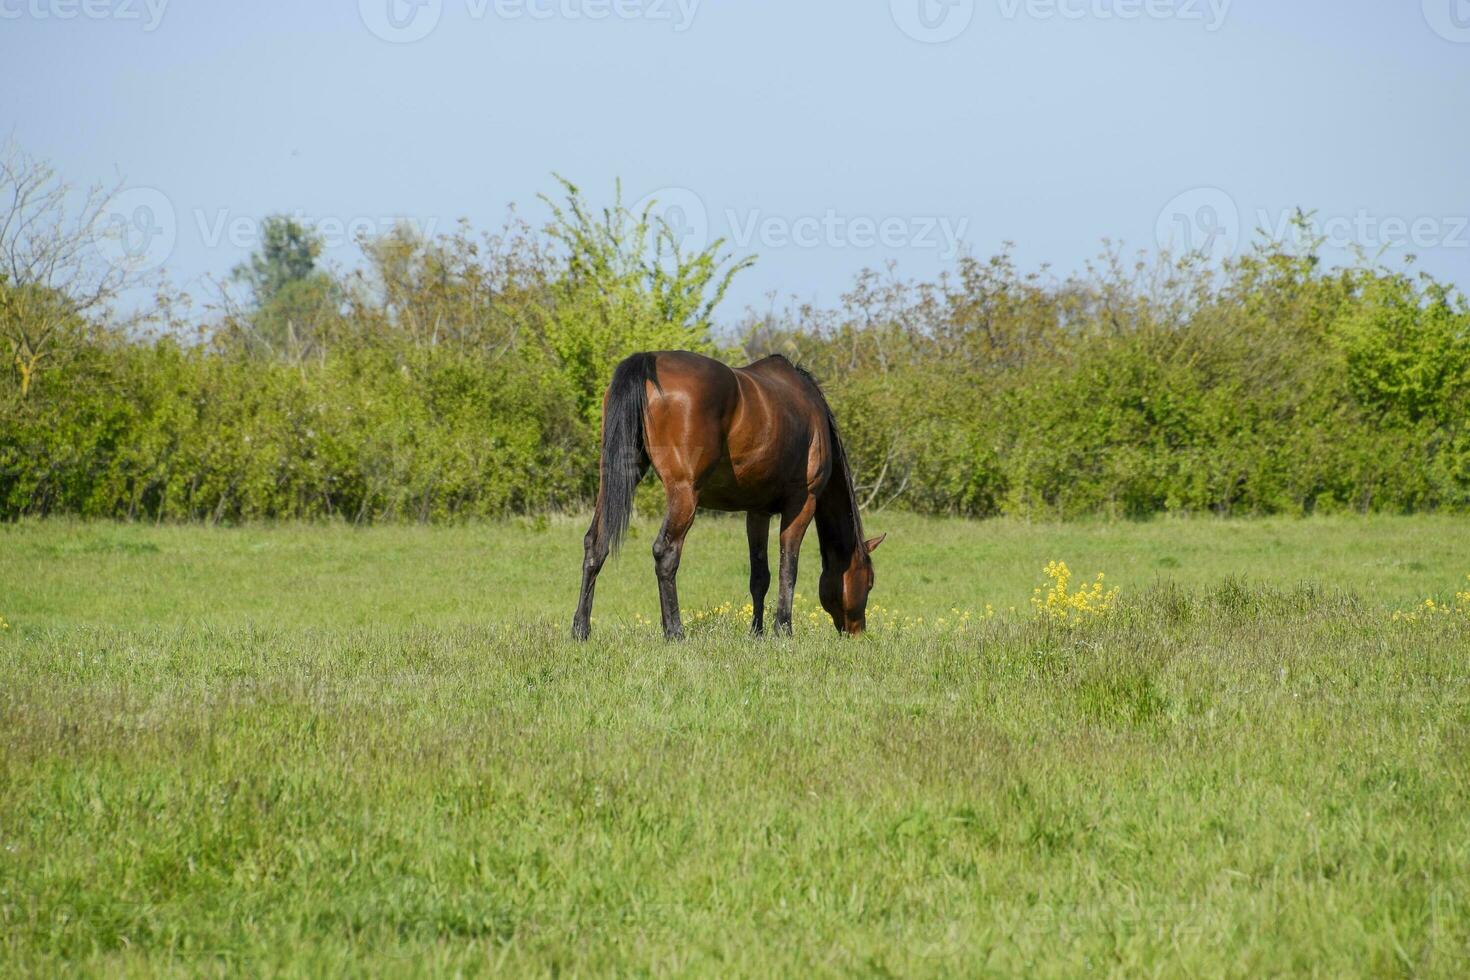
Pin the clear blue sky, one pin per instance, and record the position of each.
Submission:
(829, 135)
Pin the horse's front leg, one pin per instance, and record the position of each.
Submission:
(757, 533)
(794, 522)
(667, 548)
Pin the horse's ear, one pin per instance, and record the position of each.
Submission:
(872, 543)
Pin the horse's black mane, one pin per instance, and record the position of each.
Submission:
(839, 451)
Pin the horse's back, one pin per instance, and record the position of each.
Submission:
(692, 382)
(750, 438)
(779, 372)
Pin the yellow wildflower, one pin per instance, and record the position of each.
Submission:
(1060, 603)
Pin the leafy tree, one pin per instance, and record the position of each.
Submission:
(292, 301)
(287, 254)
(626, 285)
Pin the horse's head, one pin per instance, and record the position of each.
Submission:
(844, 588)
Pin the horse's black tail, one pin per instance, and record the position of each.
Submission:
(624, 458)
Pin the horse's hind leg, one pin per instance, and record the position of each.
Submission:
(757, 531)
(667, 548)
(594, 554)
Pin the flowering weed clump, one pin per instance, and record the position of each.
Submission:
(1429, 609)
(1057, 602)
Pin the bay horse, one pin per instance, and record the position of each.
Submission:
(759, 439)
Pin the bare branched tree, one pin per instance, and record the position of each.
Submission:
(53, 278)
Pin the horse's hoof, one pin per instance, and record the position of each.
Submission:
(580, 631)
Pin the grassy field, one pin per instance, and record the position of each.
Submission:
(317, 750)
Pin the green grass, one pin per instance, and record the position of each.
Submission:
(315, 750)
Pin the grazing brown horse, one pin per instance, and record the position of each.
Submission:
(759, 439)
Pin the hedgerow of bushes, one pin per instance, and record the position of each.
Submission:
(461, 377)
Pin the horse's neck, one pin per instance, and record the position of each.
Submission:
(839, 529)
